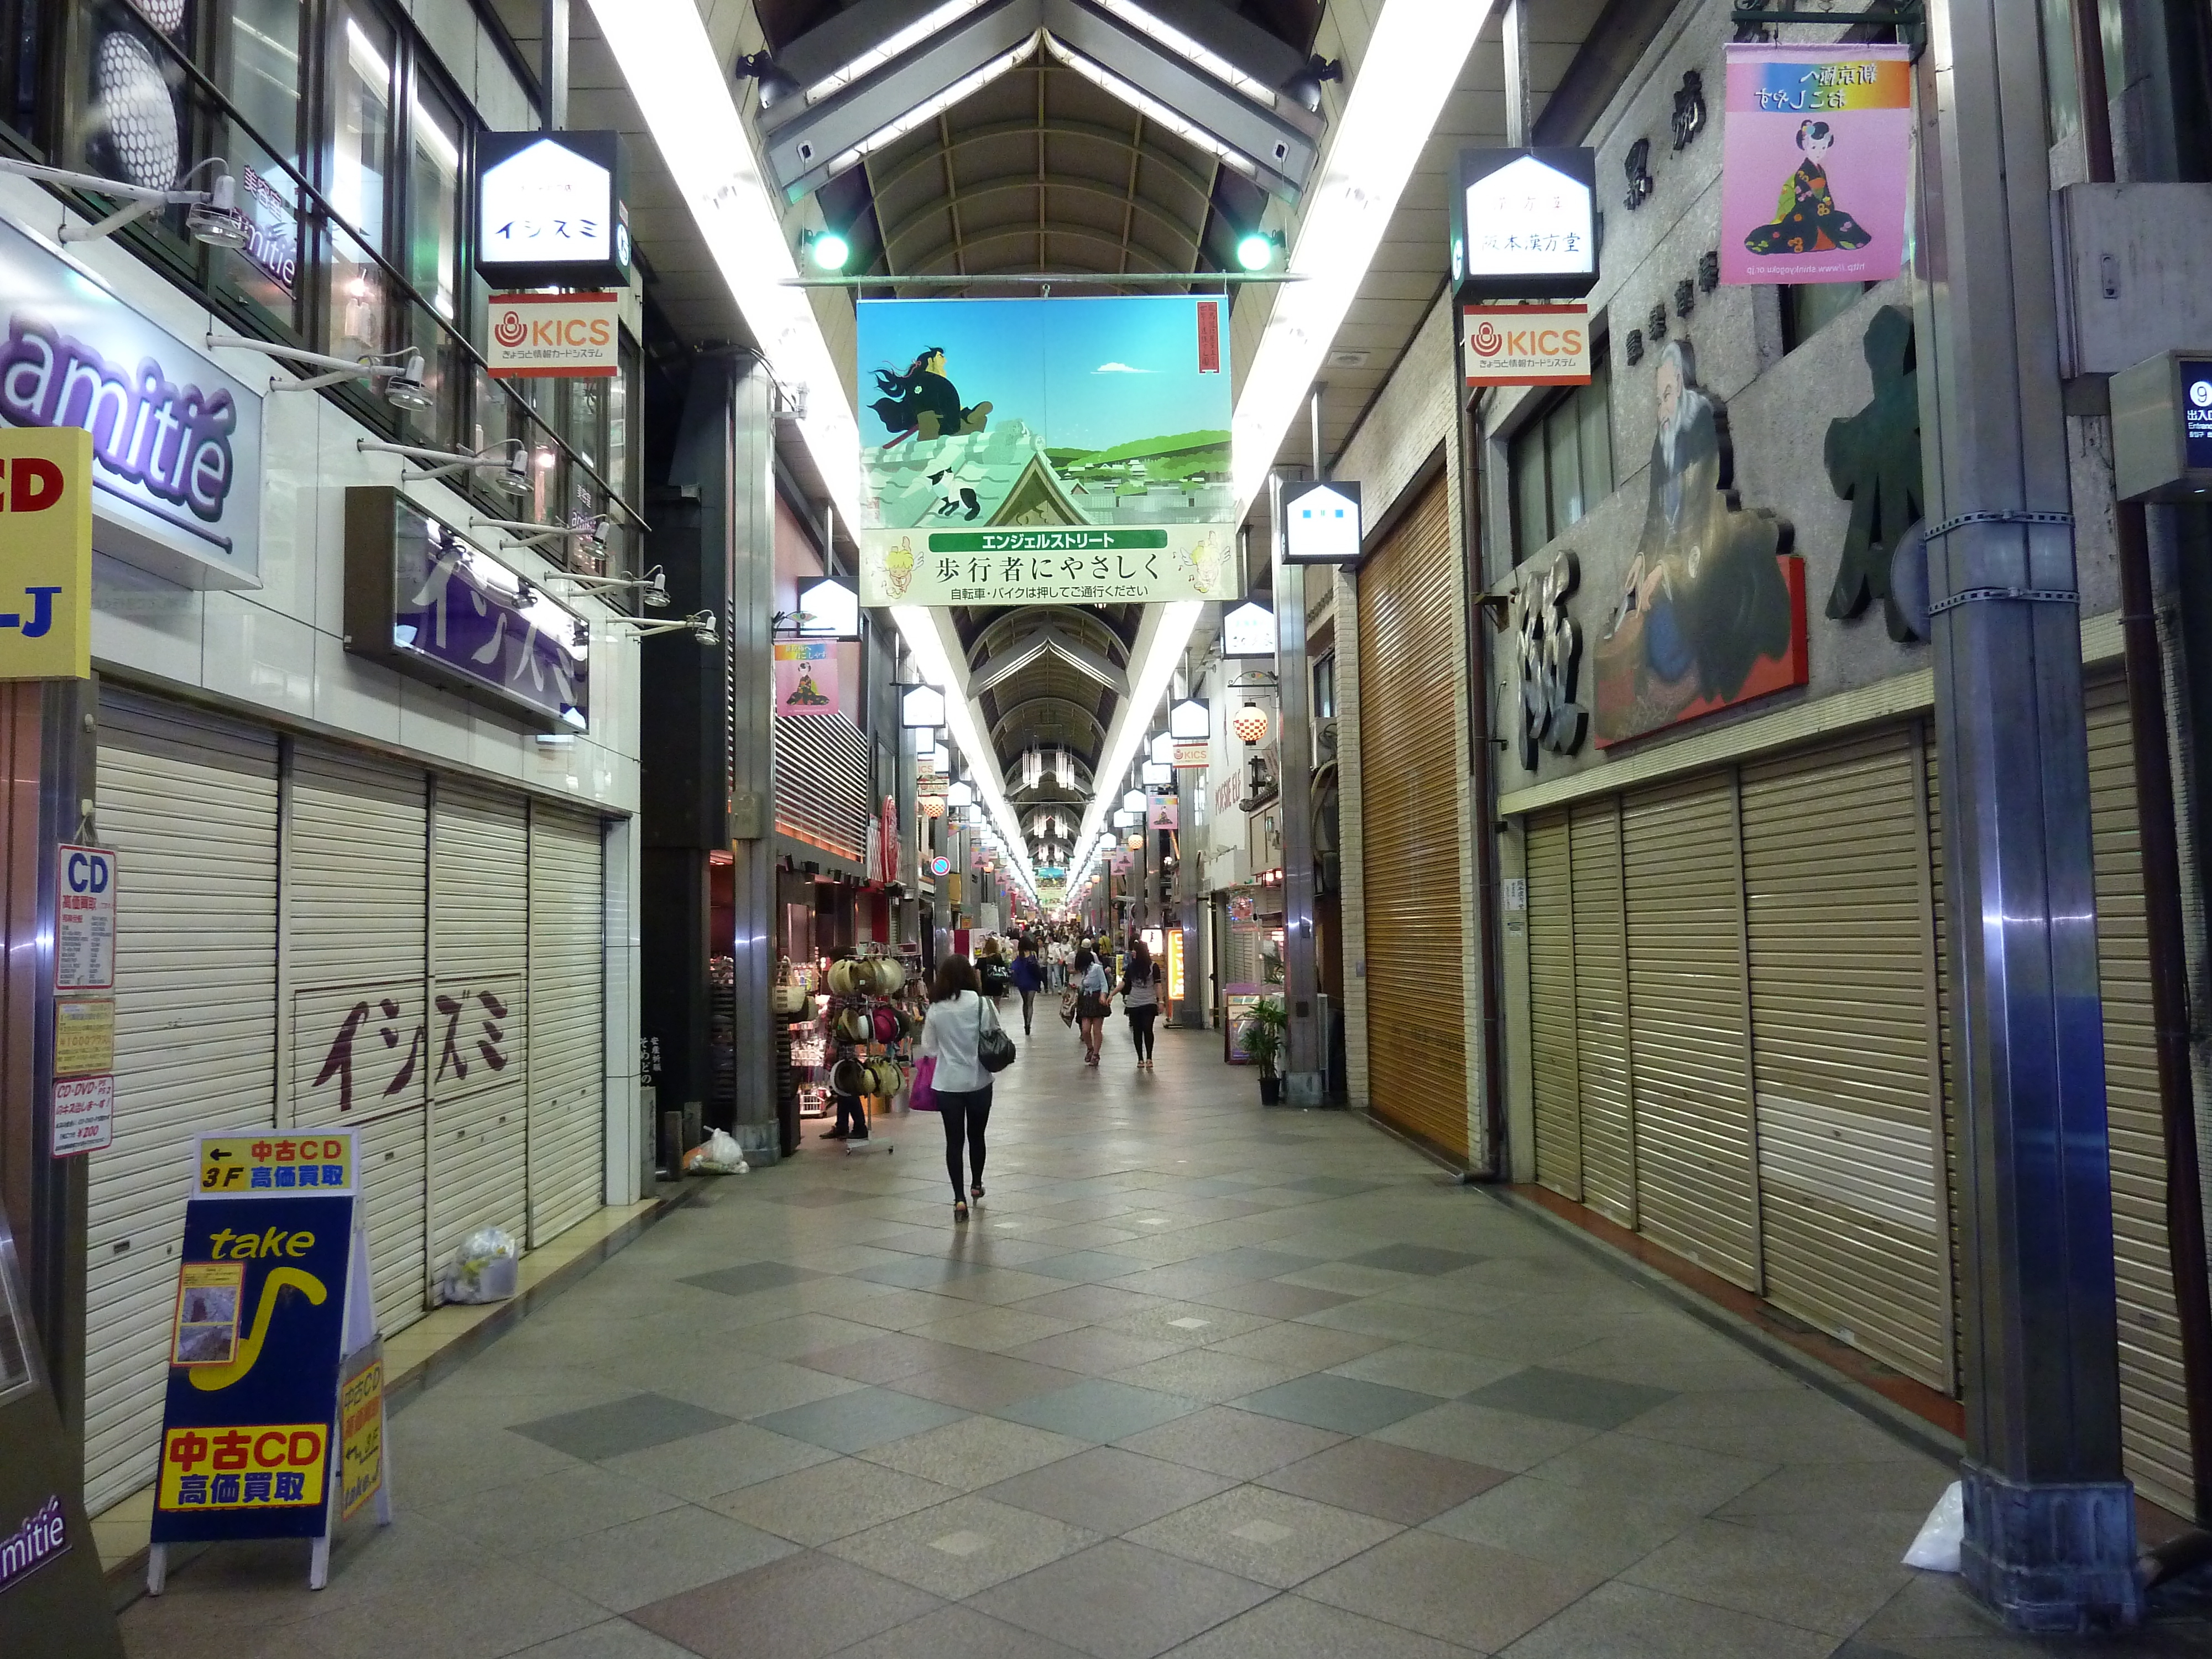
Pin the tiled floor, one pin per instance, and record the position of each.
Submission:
(1194, 1380)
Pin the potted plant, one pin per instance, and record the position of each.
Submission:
(1266, 1035)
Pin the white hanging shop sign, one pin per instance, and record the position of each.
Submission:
(176, 442)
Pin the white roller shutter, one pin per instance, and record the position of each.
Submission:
(355, 917)
(1844, 1047)
(568, 1113)
(480, 1058)
(1602, 1049)
(1557, 1081)
(189, 800)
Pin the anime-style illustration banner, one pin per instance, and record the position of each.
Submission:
(807, 678)
(1045, 452)
(1816, 163)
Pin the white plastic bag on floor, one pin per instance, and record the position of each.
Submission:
(1937, 1548)
(720, 1154)
(485, 1269)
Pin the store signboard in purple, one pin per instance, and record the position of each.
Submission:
(424, 600)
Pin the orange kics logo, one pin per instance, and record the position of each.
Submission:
(566, 335)
(1491, 341)
(510, 330)
(1523, 344)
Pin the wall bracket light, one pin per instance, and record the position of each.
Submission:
(511, 460)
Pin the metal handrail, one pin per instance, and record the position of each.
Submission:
(393, 273)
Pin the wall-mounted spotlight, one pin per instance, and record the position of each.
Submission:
(1304, 88)
(826, 250)
(212, 215)
(402, 382)
(775, 85)
(1256, 250)
(510, 460)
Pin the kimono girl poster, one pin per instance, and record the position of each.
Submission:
(1816, 163)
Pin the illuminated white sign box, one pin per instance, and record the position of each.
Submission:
(1525, 224)
(549, 209)
(1319, 522)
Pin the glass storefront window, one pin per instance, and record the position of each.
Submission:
(129, 122)
(1561, 462)
(357, 173)
(259, 68)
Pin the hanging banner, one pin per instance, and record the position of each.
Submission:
(1164, 813)
(1044, 451)
(1193, 754)
(807, 678)
(1816, 163)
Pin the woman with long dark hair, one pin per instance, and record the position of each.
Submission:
(1095, 991)
(958, 1017)
(1140, 1000)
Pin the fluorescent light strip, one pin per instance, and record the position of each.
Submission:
(930, 108)
(1145, 690)
(1150, 107)
(1183, 47)
(934, 665)
(1412, 63)
(674, 74)
(891, 46)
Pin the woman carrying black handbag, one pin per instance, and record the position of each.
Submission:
(962, 1032)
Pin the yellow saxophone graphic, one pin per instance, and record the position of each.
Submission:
(211, 1377)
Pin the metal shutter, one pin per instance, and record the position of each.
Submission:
(479, 1056)
(1948, 1092)
(822, 793)
(1695, 1190)
(1836, 903)
(1601, 1013)
(189, 800)
(568, 1115)
(1556, 1079)
(355, 911)
(2154, 1412)
(1409, 759)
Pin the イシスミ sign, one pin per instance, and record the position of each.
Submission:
(549, 209)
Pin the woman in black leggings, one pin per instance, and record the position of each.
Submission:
(958, 1017)
(1140, 1000)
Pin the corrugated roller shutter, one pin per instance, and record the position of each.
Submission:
(822, 793)
(189, 800)
(1556, 1081)
(480, 1056)
(1695, 1191)
(1601, 1010)
(1837, 915)
(2154, 1412)
(568, 1066)
(1948, 1072)
(1409, 755)
(355, 913)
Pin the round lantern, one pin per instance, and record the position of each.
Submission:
(932, 807)
(1250, 724)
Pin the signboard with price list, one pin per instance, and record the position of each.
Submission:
(273, 1319)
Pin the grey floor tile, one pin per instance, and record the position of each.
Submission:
(622, 1425)
(660, 1555)
(1085, 1266)
(1108, 1490)
(563, 1504)
(1626, 1462)
(1344, 1404)
(1091, 1303)
(1293, 1627)
(617, 1638)
(1423, 1259)
(1332, 1185)
(957, 1634)
(1223, 1440)
(1116, 1601)
(1206, 1373)
(707, 1465)
(1248, 1262)
(1095, 1351)
(1271, 1298)
(750, 1277)
(976, 1451)
(831, 1500)
(1002, 1330)
(956, 1549)
(1792, 1425)
(978, 1380)
(853, 1422)
(1475, 1434)
(1271, 1537)
(1773, 1574)
(1426, 1371)
(1395, 1483)
(1567, 1396)
(1621, 1621)
(1567, 1525)
(1818, 1488)
(1295, 1344)
(919, 1273)
(881, 1359)
(804, 1607)
(1449, 1589)
(1098, 1410)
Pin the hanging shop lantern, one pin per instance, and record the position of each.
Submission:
(932, 806)
(1250, 724)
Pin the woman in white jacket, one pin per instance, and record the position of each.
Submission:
(958, 1017)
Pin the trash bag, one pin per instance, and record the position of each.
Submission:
(1937, 1548)
(485, 1271)
(719, 1154)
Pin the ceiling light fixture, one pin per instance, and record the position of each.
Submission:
(827, 250)
(890, 46)
(1258, 249)
(1151, 108)
(1183, 47)
(775, 85)
(930, 108)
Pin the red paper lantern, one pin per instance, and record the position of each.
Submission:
(1250, 724)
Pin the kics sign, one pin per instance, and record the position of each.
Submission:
(565, 335)
(46, 527)
(1526, 345)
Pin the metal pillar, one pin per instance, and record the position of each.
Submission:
(553, 66)
(1305, 1077)
(1190, 1009)
(1515, 38)
(2050, 1537)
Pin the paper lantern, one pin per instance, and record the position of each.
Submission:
(1250, 724)
(932, 807)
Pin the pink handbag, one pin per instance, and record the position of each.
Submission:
(921, 1095)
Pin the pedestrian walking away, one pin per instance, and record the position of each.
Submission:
(1027, 973)
(1140, 1000)
(1095, 990)
(958, 1016)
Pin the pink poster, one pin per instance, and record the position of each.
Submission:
(1816, 163)
(806, 678)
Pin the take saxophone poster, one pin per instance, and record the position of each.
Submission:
(1045, 452)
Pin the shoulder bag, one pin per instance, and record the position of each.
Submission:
(994, 1049)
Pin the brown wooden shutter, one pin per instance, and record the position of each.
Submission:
(1694, 1184)
(1556, 1075)
(1837, 919)
(1602, 1013)
(1410, 750)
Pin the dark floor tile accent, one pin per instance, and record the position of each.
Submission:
(1271, 1299)
(1116, 1601)
(1344, 1404)
(1085, 1266)
(1595, 1403)
(1106, 1490)
(622, 1425)
(804, 1607)
(853, 1422)
(881, 1359)
(1422, 1259)
(1393, 1483)
(980, 1381)
(1098, 1410)
(748, 1277)
(920, 1273)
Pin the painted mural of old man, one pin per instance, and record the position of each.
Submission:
(1712, 609)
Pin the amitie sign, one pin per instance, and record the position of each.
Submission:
(176, 442)
(563, 336)
(1526, 345)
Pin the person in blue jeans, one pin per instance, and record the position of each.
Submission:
(1029, 980)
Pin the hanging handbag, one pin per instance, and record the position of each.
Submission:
(1068, 999)
(994, 1049)
(921, 1093)
(784, 997)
